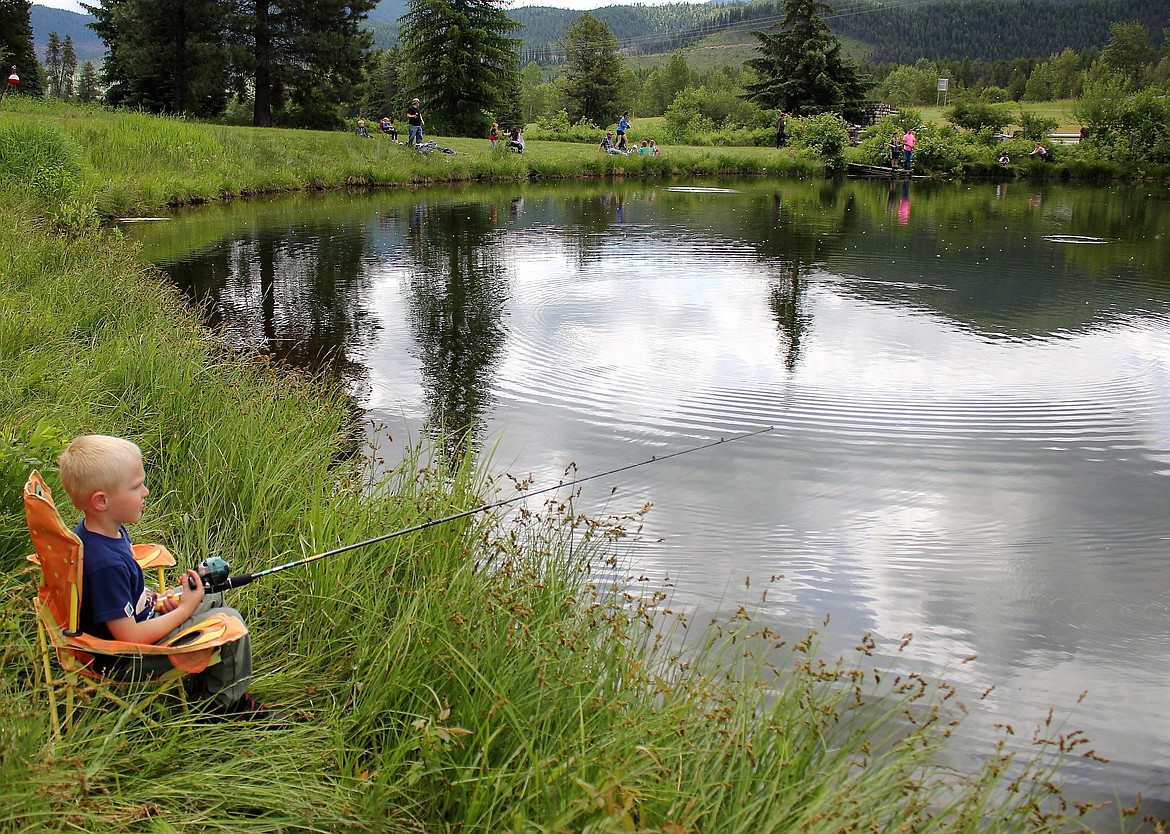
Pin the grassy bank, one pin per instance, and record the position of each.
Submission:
(132, 164)
(471, 677)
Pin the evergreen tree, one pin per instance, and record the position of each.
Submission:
(800, 68)
(308, 53)
(87, 84)
(594, 71)
(384, 93)
(165, 56)
(463, 60)
(68, 68)
(53, 64)
(16, 45)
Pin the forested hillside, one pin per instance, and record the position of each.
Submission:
(996, 30)
(86, 44)
(990, 30)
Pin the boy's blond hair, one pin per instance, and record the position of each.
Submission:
(95, 462)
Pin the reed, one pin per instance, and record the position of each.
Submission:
(475, 676)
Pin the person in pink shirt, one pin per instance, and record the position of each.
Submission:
(908, 143)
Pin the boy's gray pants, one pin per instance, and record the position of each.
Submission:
(226, 681)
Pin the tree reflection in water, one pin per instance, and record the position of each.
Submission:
(295, 292)
(458, 290)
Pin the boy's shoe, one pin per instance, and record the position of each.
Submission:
(248, 709)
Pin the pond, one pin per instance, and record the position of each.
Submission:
(966, 391)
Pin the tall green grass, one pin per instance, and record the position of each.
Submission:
(475, 676)
(133, 163)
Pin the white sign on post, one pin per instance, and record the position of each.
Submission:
(944, 84)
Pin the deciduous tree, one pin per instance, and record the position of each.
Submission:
(1130, 53)
(463, 60)
(800, 68)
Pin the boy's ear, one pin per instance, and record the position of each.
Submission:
(98, 501)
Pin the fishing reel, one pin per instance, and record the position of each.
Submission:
(213, 572)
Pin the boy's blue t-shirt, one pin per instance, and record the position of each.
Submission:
(112, 585)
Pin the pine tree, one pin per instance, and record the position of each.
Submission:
(308, 53)
(800, 68)
(87, 84)
(68, 68)
(165, 56)
(384, 93)
(594, 71)
(53, 64)
(16, 45)
(461, 57)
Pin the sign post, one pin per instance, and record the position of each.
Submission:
(943, 85)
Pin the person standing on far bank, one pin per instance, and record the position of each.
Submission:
(622, 126)
(782, 130)
(908, 143)
(414, 123)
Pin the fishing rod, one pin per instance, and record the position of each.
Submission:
(216, 572)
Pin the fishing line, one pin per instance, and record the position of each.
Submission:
(245, 578)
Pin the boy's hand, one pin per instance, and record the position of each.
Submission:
(192, 592)
(168, 601)
(173, 598)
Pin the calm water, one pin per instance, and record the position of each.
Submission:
(970, 389)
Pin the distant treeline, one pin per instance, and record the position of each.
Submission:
(986, 30)
(996, 30)
(989, 30)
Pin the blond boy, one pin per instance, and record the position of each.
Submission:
(106, 481)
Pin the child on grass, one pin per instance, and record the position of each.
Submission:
(105, 479)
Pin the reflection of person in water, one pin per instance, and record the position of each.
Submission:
(904, 205)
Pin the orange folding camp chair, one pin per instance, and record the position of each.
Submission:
(60, 555)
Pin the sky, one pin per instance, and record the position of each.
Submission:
(577, 5)
(69, 5)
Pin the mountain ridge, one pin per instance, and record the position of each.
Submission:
(988, 30)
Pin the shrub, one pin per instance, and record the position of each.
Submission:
(558, 128)
(977, 115)
(1035, 127)
(826, 134)
(1133, 131)
(685, 121)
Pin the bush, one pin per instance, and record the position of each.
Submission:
(558, 128)
(1035, 127)
(685, 121)
(977, 115)
(1133, 131)
(827, 135)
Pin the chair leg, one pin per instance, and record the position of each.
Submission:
(47, 677)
